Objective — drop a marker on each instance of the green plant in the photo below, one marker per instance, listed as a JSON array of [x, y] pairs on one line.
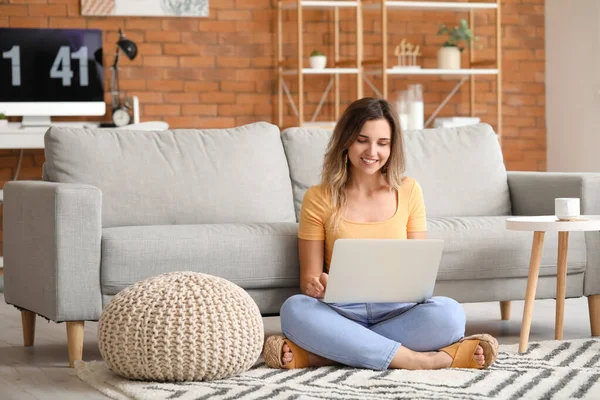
[[316, 53], [2, 116], [457, 34]]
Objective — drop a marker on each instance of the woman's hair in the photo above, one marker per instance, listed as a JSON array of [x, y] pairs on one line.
[[336, 166]]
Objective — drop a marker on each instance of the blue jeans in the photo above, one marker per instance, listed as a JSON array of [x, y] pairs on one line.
[[368, 335]]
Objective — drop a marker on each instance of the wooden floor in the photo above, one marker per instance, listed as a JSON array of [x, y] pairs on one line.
[[41, 372]]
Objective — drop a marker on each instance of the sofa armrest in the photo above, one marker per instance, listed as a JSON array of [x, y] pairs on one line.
[[533, 193], [52, 236]]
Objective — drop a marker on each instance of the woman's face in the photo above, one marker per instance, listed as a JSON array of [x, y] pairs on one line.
[[371, 150]]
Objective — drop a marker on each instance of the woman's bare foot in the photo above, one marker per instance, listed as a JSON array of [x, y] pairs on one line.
[[408, 359], [313, 359]]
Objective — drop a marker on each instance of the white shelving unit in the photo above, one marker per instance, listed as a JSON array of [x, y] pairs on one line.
[[407, 5], [467, 73], [343, 67], [320, 124], [313, 4], [437, 5], [340, 68], [324, 71], [436, 71]]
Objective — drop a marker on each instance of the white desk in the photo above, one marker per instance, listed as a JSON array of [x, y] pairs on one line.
[[15, 137]]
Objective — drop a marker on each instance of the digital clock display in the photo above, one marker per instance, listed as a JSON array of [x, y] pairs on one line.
[[51, 65]]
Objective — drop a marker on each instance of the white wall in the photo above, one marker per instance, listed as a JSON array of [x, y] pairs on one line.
[[573, 85]]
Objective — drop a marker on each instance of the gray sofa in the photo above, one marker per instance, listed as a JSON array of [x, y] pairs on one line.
[[116, 207]]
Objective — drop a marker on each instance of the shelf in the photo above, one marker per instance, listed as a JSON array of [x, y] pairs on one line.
[[321, 4], [364, 69], [406, 5], [324, 71], [319, 124], [434, 5], [436, 71]]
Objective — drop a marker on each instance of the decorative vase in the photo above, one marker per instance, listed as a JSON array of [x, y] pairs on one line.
[[318, 62], [448, 57]]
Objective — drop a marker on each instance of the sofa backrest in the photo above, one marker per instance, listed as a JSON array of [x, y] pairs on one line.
[[304, 149], [461, 170], [233, 175]]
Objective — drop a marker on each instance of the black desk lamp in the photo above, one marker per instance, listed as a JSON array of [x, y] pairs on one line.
[[129, 48]]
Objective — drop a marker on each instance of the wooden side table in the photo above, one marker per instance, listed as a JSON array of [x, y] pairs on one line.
[[539, 225]]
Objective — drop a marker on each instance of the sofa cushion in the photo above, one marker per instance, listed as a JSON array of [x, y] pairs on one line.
[[481, 248], [304, 149], [461, 170], [237, 175], [252, 256]]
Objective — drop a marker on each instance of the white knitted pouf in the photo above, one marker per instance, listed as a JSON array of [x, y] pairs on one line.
[[181, 326]]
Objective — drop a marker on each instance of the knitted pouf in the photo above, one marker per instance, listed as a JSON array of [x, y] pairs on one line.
[[181, 326]]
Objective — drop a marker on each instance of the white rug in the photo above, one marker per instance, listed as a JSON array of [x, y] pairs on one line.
[[549, 370]]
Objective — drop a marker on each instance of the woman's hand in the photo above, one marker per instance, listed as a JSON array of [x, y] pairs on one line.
[[317, 286]]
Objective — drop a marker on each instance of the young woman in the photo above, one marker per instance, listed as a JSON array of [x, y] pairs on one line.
[[364, 194]]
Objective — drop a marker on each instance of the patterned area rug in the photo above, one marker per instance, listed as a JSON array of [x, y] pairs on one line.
[[548, 370]]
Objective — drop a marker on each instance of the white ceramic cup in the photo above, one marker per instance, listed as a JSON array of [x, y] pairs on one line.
[[566, 207]]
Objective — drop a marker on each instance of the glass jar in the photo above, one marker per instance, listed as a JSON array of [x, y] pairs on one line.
[[415, 109]]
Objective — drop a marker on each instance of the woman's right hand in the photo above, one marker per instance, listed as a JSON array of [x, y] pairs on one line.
[[317, 286]]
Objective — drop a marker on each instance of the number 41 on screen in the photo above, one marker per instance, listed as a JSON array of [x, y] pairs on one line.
[[61, 67]]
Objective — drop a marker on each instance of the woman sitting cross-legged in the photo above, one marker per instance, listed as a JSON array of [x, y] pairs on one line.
[[364, 194]]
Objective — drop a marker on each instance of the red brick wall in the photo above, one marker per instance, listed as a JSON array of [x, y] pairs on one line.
[[220, 71], [523, 58]]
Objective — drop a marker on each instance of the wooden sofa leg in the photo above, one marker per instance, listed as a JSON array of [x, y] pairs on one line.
[[594, 307], [28, 321], [505, 310], [75, 341]]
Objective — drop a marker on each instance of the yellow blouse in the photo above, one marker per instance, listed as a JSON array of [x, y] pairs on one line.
[[315, 212]]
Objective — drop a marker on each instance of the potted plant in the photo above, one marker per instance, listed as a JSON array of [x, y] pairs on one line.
[[3, 121], [449, 54], [318, 60]]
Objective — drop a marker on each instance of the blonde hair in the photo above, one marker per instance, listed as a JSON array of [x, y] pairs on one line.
[[335, 174]]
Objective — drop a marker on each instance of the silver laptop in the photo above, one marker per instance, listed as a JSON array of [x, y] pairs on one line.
[[383, 270]]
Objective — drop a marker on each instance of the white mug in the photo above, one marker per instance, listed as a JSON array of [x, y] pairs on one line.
[[566, 208]]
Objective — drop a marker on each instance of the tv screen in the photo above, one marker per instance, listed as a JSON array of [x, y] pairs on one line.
[[51, 65]]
